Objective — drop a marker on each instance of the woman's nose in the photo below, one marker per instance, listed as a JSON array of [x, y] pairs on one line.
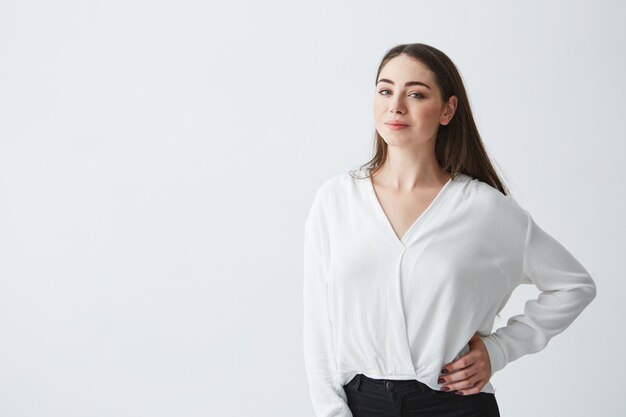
[[396, 107]]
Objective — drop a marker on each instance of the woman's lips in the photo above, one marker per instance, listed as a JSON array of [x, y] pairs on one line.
[[396, 126]]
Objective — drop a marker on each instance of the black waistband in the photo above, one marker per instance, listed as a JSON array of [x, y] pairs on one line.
[[398, 385]]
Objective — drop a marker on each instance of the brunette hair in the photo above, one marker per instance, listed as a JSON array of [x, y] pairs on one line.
[[458, 147]]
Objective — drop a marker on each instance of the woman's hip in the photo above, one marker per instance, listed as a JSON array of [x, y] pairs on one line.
[[371, 397]]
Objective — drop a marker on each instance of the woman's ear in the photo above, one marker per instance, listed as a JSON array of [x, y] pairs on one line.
[[449, 110]]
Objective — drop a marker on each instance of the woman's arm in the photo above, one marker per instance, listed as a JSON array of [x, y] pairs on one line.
[[327, 394], [566, 289]]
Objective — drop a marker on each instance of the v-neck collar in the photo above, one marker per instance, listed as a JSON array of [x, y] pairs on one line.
[[383, 216]]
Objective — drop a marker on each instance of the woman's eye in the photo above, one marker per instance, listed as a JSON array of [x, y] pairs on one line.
[[418, 95]]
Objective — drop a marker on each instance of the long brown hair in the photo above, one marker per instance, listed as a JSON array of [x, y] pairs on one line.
[[458, 147]]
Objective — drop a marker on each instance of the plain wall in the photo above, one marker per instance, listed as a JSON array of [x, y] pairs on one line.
[[158, 159]]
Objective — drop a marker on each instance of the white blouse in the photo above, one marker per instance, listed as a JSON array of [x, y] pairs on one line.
[[403, 308]]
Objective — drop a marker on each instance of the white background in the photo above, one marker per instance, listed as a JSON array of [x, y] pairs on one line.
[[158, 159]]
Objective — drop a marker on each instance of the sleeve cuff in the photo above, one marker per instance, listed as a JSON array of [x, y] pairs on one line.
[[497, 358]]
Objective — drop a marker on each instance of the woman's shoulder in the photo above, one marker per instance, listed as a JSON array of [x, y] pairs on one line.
[[495, 206], [485, 193], [328, 196], [326, 190], [338, 184]]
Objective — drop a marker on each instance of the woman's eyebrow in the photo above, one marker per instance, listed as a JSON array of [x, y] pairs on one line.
[[408, 83]]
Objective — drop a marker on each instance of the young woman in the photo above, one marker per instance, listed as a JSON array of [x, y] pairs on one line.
[[408, 261]]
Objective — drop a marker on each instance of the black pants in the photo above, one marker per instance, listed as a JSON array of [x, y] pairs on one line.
[[369, 397]]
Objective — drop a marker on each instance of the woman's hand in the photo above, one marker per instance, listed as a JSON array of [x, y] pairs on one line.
[[470, 373]]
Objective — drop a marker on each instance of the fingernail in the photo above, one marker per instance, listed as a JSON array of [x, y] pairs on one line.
[[440, 381], [458, 392], [445, 388], [444, 371]]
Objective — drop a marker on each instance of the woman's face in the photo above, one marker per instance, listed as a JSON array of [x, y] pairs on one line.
[[417, 105]]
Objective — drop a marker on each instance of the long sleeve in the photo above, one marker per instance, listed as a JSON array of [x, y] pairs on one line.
[[566, 289], [327, 394]]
